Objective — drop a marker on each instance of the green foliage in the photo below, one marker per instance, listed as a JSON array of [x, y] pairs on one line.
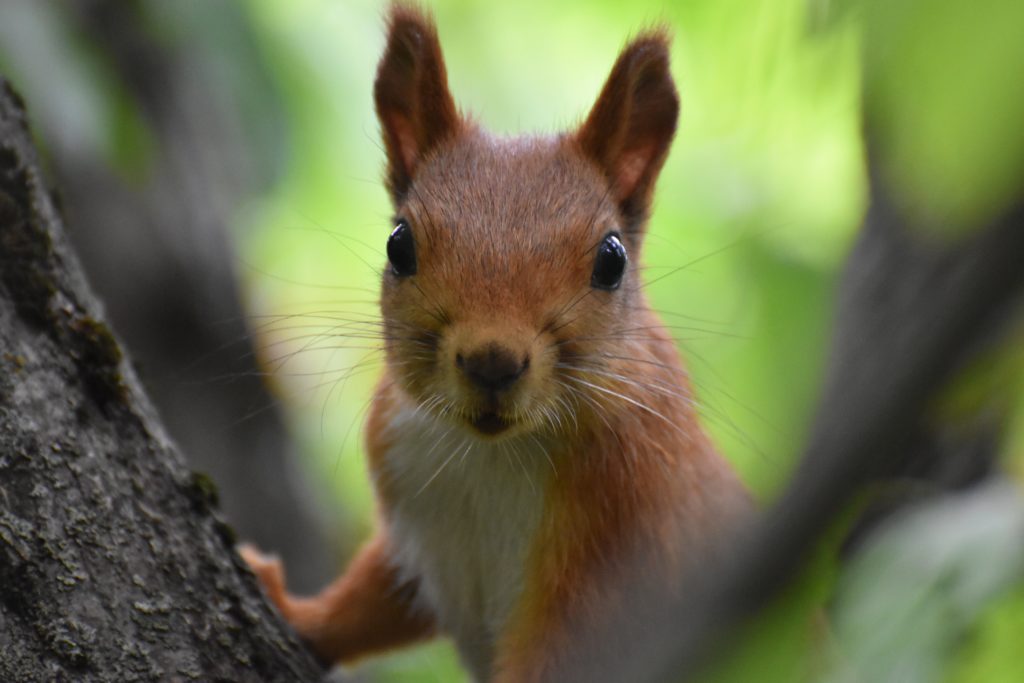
[[992, 652], [908, 599], [943, 83]]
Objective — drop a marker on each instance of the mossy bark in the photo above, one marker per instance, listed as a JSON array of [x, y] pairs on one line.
[[114, 565]]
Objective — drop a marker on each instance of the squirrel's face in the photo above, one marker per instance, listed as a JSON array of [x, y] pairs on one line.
[[508, 268], [511, 283]]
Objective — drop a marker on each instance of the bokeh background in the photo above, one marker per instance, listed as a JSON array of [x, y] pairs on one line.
[[243, 136]]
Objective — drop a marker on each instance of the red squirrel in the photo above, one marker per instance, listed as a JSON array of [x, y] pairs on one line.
[[534, 431]]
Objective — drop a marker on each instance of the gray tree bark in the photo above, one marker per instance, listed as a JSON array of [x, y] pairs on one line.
[[114, 565], [210, 135]]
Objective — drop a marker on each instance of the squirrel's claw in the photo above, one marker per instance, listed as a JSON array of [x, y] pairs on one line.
[[268, 570]]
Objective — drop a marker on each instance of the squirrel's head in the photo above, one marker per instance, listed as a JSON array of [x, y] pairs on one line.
[[513, 262]]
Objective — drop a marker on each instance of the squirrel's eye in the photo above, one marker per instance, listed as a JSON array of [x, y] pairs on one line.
[[610, 264], [402, 250]]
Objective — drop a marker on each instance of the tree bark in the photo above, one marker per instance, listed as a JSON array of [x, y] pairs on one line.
[[114, 565], [209, 136]]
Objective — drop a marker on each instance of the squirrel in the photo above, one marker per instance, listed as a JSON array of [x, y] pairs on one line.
[[533, 439]]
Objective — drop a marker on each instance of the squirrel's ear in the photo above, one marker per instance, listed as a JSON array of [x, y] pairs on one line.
[[415, 109], [629, 129]]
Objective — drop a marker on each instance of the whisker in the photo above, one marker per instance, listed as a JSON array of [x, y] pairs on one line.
[[629, 400], [443, 465]]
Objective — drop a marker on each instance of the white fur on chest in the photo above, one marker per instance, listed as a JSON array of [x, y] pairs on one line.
[[468, 512]]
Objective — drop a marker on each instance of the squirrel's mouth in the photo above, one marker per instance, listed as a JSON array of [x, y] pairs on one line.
[[490, 423]]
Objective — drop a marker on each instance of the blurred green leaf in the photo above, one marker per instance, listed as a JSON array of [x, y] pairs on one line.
[[944, 97], [907, 599]]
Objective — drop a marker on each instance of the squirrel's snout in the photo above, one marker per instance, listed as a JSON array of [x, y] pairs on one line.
[[493, 367]]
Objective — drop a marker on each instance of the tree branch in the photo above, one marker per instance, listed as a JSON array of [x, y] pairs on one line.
[[113, 563]]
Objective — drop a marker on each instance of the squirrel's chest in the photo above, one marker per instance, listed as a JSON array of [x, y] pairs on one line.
[[464, 524]]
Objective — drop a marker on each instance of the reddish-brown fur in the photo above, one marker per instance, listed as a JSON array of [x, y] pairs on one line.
[[366, 611], [506, 233]]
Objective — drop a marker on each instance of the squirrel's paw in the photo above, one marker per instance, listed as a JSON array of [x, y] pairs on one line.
[[269, 571]]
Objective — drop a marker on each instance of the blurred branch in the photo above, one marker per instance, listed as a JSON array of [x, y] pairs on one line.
[[910, 309]]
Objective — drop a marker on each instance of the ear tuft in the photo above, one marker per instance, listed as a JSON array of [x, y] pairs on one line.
[[629, 130], [415, 108]]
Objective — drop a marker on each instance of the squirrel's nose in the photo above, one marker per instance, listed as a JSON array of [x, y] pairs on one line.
[[493, 367]]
